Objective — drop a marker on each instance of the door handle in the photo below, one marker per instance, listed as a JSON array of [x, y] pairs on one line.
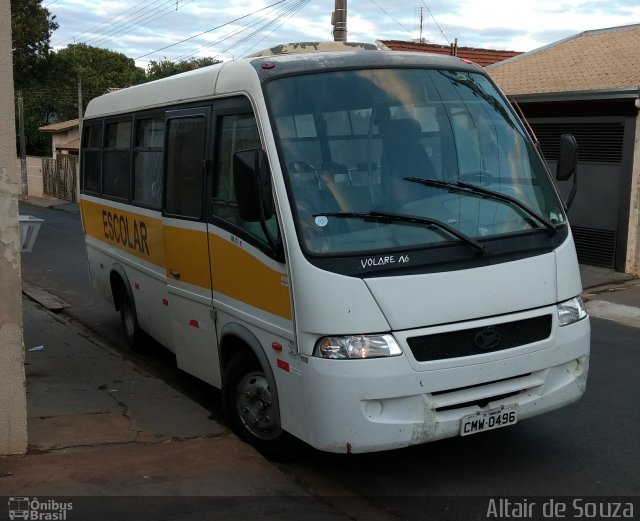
[[175, 274]]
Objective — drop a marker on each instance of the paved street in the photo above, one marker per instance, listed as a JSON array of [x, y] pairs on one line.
[[590, 448]]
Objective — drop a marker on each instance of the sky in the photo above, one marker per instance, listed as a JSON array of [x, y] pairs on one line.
[[229, 29]]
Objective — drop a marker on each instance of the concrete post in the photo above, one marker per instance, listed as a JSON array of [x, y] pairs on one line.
[[339, 21], [633, 236], [13, 404]]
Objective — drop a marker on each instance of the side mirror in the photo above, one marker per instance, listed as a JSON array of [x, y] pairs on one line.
[[252, 181], [567, 157], [568, 164]]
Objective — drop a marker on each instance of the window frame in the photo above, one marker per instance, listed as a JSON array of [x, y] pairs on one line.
[[142, 116], [236, 105], [98, 122], [176, 113], [129, 117]]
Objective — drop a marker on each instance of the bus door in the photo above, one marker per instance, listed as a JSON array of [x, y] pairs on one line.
[[246, 277], [186, 246]]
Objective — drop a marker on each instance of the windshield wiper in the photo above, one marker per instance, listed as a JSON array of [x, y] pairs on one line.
[[462, 187], [386, 217]]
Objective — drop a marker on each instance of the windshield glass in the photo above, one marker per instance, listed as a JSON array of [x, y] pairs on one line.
[[349, 141]]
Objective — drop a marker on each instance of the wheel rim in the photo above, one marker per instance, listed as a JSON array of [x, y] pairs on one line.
[[255, 406]]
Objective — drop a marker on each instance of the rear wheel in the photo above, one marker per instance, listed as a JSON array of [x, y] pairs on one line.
[[252, 410], [129, 320]]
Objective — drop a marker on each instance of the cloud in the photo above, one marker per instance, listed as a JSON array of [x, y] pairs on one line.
[[146, 28]]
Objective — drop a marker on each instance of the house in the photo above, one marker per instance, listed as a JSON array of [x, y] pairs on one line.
[[65, 137], [482, 57], [588, 85], [59, 173]]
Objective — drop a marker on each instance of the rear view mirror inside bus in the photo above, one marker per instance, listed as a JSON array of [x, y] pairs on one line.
[[252, 181]]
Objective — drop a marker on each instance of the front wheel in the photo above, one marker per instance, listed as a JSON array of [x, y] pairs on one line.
[[252, 410], [129, 320]]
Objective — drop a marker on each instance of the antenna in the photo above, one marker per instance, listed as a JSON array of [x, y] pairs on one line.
[[419, 14]]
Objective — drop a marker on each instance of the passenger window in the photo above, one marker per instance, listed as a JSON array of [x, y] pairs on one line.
[[234, 132], [185, 166], [117, 157], [92, 157], [147, 162]]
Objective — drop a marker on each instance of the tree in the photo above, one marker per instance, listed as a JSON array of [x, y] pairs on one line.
[[98, 69], [164, 68], [31, 29]]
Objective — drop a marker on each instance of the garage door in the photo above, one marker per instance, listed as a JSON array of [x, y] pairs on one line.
[[595, 211]]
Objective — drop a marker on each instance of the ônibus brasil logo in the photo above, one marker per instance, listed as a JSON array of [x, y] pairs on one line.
[[37, 510]]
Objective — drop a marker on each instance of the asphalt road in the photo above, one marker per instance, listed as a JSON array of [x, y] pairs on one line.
[[591, 448]]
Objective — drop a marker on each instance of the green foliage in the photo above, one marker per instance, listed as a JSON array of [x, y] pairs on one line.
[[48, 81], [164, 68], [98, 70], [31, 28]]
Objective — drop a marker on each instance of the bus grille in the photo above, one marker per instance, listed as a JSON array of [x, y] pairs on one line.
[[475, 341]]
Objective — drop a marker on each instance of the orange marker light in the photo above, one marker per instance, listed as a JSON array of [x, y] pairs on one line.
[[276, 346]]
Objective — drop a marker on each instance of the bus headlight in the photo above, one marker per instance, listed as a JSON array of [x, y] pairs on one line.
[[571, 311], [357, 346]]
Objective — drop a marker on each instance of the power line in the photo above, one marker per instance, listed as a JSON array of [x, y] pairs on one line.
[[281, 13], [137, 22], [88, 31], [390, 16], [208, 31], [436, 22], [288, 12], [303, 4]]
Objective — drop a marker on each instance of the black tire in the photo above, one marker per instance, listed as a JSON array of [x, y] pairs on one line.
[[132, 332], [252, 412]]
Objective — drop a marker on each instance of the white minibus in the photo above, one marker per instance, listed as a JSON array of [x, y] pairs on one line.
[[362, 249]]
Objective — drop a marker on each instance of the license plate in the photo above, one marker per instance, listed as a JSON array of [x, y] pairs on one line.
[[488, 420]]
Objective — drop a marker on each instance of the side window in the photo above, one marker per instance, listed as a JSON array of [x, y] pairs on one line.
[[234, 132], [185, 165], [91, 157], [147, 162], [116, 173]]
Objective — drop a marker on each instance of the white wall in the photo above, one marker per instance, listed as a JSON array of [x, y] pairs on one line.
[[34, 176], [13, 403], [633, 237]]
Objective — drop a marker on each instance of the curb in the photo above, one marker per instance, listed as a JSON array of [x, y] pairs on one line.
[[43, 297]]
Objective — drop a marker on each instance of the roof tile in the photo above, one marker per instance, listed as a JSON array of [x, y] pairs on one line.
[[593, 60]]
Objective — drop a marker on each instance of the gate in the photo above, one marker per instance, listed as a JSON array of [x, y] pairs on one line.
[[59, 176]]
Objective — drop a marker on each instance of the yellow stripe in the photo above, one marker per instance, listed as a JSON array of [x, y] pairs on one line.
[[236, 272], [188, 254], [133, 233], [241, 276]]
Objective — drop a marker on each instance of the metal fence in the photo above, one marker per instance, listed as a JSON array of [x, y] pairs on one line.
[[59, 176]]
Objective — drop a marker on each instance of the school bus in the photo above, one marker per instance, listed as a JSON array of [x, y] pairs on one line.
[[363, 250]]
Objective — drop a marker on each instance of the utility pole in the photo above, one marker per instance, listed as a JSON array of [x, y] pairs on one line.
[[79, 102], [23, 148], [339, 21]]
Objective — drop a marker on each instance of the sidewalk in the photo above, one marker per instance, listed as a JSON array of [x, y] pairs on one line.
[[100, 426], [52, 202]]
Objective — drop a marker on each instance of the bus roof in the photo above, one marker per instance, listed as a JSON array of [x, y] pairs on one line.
[[245, 75]]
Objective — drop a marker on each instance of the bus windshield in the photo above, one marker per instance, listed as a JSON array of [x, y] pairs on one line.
[[378, 159]]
